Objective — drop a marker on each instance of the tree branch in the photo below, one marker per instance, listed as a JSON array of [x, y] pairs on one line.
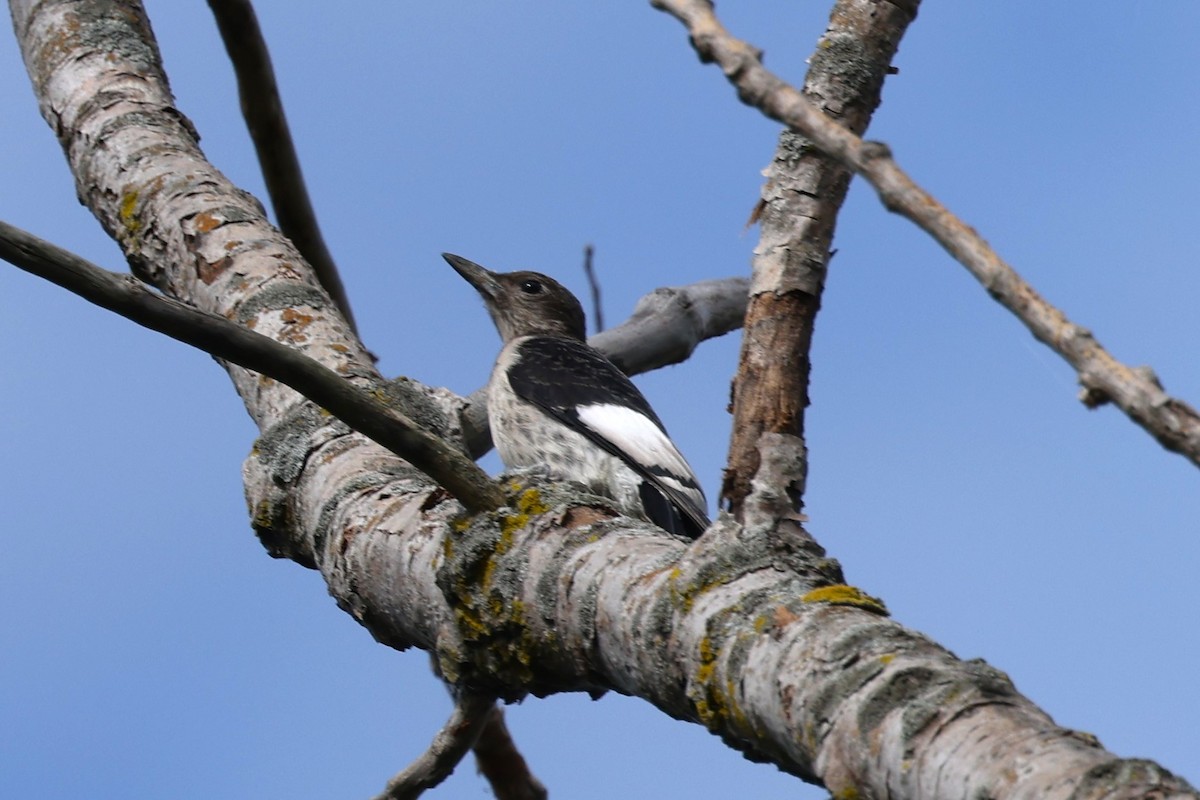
[[217, 336], [502, 764], [262, 108], [471, 713], [797, 216], [1136, 391], [749, 633], [669, 323]]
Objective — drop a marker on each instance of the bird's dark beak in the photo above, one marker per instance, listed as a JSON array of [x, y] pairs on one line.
[[483, 280]]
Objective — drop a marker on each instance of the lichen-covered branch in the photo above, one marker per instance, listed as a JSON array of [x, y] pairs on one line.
[[797, 214], [1135, 390], [184, 228], [752, 635]]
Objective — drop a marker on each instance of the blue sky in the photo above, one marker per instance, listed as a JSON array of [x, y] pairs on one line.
[[148, 646]]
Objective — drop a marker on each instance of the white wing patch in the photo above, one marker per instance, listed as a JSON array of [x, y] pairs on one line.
[[645, 443]]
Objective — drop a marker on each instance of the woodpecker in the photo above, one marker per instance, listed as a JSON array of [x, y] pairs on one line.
[[558, 404]]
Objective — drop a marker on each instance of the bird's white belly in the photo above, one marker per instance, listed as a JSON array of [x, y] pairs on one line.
[[526, 437]]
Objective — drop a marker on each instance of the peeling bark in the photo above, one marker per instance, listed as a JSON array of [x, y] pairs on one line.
[[797, 215]]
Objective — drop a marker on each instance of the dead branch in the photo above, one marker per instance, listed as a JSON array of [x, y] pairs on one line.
[[502, 764], [797, 215], [748, 632], [594, 286], [471, 713], [1135, 390]]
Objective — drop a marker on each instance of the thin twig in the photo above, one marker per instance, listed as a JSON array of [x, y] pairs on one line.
[[216, 335], [597, 307], [1136, 391], [262, 108], [471, 713]]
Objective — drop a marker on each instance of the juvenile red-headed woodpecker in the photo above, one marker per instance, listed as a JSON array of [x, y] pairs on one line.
[[556, 404]]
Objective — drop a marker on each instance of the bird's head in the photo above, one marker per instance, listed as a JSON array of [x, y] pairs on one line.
[[524, 303]]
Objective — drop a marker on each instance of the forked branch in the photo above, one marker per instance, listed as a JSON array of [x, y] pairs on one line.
[[1136, 391], [471, 712]]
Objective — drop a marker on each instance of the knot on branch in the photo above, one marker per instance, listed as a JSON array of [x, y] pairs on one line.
[[1093, 397]]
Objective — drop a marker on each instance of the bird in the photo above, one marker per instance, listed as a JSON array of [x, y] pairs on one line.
[[558, 405]]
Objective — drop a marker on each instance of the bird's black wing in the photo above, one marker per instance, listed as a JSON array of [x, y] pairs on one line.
[[581, 388]]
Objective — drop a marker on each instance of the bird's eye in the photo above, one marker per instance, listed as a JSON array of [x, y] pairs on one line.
[[531, 286]]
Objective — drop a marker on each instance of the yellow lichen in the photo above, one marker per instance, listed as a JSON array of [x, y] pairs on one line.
[[685, 596], [262, 514], [705, 710], [128, 216], [716, 705], [840, 594], [673, 584], [737, 716], [530, 502], [708, 661], [470, 621], [507, 529], [484, 613]]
